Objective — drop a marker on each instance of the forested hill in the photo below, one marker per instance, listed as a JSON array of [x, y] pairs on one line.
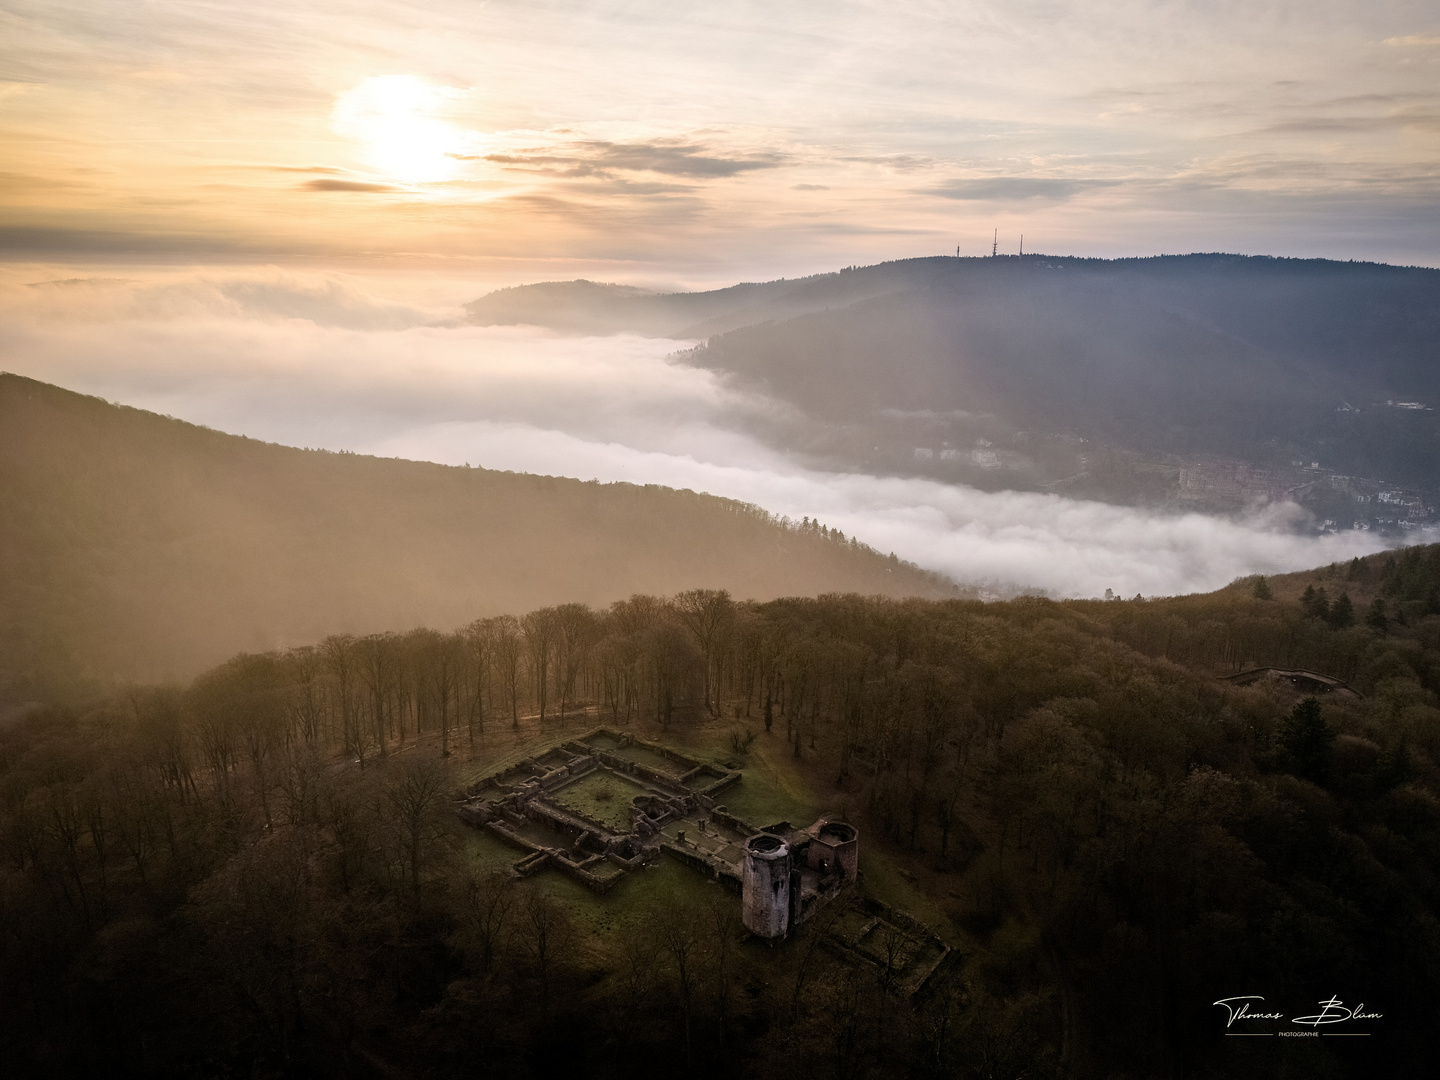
[[588, 307], [1276, 362], [262, 874], [135, 546]]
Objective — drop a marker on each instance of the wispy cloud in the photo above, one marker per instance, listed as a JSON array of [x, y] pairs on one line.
[[1010, 188], [691, 160], [349, 185], [999, 110], [80, 242]]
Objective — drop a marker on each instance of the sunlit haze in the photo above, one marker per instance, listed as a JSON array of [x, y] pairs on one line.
[[711, 142], [394, 116], [265, 217], [323, 362]]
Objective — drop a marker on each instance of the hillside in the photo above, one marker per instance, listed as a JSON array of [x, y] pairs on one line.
[[588, 307], [263, 872], [1204, 380], [135, 546]]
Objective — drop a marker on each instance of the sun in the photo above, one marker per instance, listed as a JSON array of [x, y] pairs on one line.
[[395, 117]]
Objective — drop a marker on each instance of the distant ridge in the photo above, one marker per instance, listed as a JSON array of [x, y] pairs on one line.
[[136, 547], [1101, 378], [595, 308]]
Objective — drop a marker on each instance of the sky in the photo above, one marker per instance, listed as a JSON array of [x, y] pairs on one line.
[[264, 216], [697, 144]]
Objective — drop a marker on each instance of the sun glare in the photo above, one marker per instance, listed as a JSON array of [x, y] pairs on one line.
[[394, 116]]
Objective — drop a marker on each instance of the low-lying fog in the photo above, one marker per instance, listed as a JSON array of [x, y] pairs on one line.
[[324, 361]]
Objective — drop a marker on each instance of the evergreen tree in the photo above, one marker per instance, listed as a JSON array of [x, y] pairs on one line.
[[1315, 602], [1261, 591], [1308, 740], [1342, 612]]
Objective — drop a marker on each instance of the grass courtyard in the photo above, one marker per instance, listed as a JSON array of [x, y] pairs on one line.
[[601, 796]]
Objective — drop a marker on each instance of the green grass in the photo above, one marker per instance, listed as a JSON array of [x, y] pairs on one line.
[[650, 759], [882, 880], [768, 791], [601, 796], [487, 852]]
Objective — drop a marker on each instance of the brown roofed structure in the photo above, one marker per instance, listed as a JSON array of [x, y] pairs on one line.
[[1306, 682]]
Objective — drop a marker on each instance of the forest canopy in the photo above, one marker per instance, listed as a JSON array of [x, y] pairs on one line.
[[261, 870]]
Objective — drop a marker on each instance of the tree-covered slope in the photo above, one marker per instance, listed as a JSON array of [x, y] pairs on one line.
[[1276, 362], [262, 873], [137, 546]]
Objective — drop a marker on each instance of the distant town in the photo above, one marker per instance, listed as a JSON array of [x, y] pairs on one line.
[[1205, 482]]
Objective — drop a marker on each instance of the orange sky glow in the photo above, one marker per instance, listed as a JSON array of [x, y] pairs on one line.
[[697, 142]]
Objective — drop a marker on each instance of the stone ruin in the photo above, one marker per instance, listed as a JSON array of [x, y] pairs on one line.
[[790, 873], [607, 803]]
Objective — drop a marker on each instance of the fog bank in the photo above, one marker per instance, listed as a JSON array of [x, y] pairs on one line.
[[320, 361]]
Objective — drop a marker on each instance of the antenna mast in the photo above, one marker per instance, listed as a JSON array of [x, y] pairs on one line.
[[995, 245], [1022, 244]]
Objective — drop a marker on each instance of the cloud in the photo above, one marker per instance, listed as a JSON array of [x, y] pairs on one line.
[[694, 161], [308, 169], [809, 187], [348, 185], [897, 162], [699, 94], [60, 241], [1332, 125], [1010, 188], [145, 305], [680, 159], [323, 362], [1063, 546]]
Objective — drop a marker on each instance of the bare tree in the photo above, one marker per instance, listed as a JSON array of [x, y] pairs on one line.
[[508, 646], [413, 792], [725, 927], [641, 952], [340, 658], [66, 826], [672, 662], [135, 817], [706, 614], [574, 637], [437, 662], [629, 627], [679, 935], [543, 933], [489, 897], [300, 773], [306, 698], [479, 638], [379, 668], [540, 631]]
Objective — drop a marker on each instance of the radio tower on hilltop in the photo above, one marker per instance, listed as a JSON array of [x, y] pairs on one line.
[[995, 244]]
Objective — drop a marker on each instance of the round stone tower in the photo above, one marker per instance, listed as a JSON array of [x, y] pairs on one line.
[[765, 899]]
